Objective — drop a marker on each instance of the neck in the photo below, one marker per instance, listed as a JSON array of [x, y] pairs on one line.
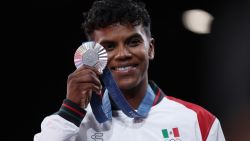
[[135, 95]]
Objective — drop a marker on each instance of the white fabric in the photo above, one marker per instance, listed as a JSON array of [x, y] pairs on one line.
[[166, 115], [216, 133]]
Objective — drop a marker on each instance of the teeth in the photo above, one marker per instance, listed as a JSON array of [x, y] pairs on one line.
[[123, 68]]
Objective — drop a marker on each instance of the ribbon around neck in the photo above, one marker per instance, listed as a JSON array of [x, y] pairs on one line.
[[101, 106]]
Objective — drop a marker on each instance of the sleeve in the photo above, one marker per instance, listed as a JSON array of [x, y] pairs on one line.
[[216, 133], [62, 126], [56, 128]]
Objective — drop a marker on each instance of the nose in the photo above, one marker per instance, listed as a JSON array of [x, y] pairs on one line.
[[122, 52]]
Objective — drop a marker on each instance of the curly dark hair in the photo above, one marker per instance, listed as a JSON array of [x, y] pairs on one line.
[[107, 12]]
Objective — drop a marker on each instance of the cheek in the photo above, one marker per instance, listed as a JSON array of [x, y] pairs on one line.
[[143, 60], [110, 56], [142, 54]]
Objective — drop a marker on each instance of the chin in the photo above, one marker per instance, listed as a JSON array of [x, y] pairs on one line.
[[127, 84]]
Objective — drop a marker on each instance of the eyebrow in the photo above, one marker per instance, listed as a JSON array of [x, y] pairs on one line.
[[107, 42], [134, 35]]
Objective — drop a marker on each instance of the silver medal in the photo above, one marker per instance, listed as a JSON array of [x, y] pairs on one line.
[[91, 54]]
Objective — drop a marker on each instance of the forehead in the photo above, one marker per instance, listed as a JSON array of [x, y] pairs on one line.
[[117, 31]]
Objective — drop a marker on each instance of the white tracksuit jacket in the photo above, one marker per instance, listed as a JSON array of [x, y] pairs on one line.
[[169, 119]]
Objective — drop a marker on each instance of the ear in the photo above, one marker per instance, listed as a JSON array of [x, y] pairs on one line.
[[151, 50]]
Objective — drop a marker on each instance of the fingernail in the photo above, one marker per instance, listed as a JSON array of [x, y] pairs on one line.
[[100, 92]]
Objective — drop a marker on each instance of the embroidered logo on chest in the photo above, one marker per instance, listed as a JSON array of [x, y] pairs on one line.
[[98, 136], [171, 134]]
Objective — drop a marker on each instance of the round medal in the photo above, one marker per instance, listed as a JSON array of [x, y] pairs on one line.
[[91, 54]]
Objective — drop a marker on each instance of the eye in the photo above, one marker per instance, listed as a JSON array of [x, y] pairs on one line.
[[134, 42], [109, 46]]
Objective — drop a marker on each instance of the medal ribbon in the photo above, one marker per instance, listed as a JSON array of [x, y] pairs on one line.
[[102, 108]]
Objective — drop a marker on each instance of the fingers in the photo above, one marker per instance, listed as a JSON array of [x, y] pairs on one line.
[[81, 83], [87, 67], [85, 87], [85, 77], [84, 101]]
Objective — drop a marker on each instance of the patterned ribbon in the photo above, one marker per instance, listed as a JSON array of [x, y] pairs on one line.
[[101, 107]]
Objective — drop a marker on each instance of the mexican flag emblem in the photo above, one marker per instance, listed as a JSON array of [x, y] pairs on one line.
[[170, 133]]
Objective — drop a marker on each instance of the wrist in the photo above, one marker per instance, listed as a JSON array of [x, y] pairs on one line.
[[72, 112]]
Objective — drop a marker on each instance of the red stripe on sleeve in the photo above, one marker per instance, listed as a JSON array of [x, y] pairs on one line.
[[72, 109]]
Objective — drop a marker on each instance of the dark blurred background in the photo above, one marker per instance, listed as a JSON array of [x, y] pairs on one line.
[[210, 69]]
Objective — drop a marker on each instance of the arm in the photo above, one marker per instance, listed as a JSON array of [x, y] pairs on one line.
[[56, 128], [216, 133], [64, 125]]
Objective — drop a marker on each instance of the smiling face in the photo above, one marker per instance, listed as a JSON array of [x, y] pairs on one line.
[[129, 51]]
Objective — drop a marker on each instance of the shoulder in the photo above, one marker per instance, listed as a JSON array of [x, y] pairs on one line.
[[200, 111], [205, 118]]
